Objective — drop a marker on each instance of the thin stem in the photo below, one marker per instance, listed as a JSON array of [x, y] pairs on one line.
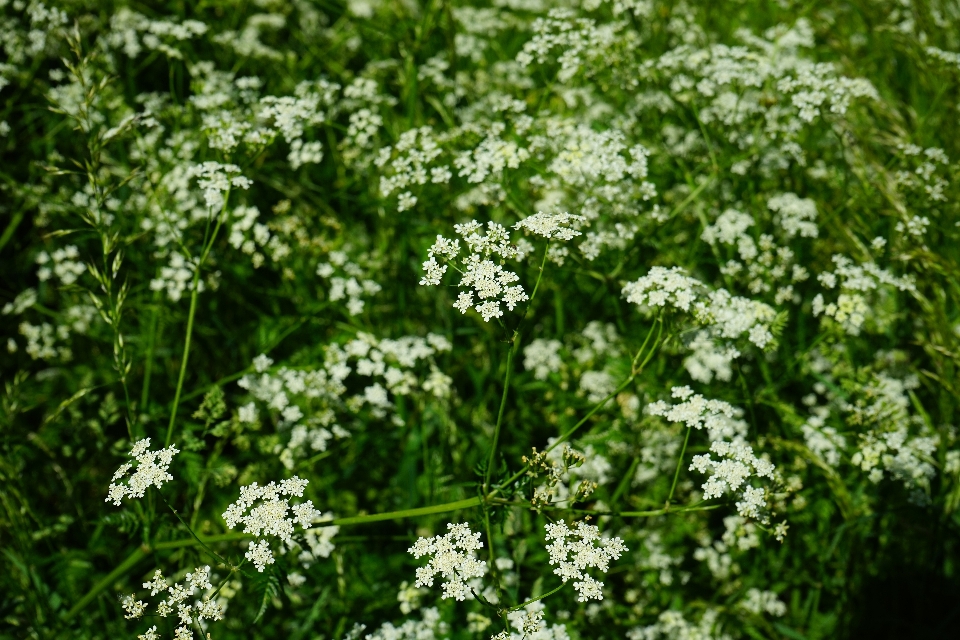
[[676, 474], [138, 554], [566, 436], [659, 323], [183, 522], [621, 514], [656, 343], [503, 405], [186, 355], [540, 597], [405, 513], [207, 245], [494, 570], [514, 346], [635, 372], [536, 286]]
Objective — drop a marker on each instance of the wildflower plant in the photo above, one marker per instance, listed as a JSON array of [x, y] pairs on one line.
[[518, 320]]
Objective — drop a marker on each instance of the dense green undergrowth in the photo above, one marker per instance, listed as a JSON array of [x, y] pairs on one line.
[[548, 320]]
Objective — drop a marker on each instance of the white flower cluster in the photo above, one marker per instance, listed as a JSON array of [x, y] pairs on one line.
[[721, 419], [931, 174], [215, 180], [759, 97], [729, 474], [411, 157], [254, 238], [574, 551], [662, 286], [576, 38], [724, 315], [671, 625], [760, 602], [890, 445], [64, 263], [597, 385], [485, 163], [176, 278], [42, 341], [529, 625], [350, 285], [429, 627], [131, 32], [707, 359], [736, 463], [542, 357], [308, 401], [270, 514], [739, 534], [453, 556], [852, 307], [151, 471], [764, 263], [486, 278], [562, 226], [795, 215], [179, 593], [823, 440]]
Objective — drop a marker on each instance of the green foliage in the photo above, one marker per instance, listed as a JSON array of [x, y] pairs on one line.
[[228, 228]]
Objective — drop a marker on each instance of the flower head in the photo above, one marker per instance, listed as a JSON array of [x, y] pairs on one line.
[[453, 556], [151, 470]]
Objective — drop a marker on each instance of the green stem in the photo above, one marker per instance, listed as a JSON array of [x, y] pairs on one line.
[[186, 355], [514, 346], [540, 597], [625, 482], [620, 514], [635, 372], [494, 571], [543, 263], [207, 245], [199, 541], [566, 436], [503, 404], [406, 513], [138, 554], [11, 228], [676, 474]]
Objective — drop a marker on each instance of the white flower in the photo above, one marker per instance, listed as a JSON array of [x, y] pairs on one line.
[[758, 602], [262, 362], [796, 215], [259, 554], [454, 557], [721, 419], [133, 608], [542, 358], [482, 270], [573, 551], [562, 226], [433, 272], [722, 314], [729, 474], [269, 515], [151, 634], [151, 470]]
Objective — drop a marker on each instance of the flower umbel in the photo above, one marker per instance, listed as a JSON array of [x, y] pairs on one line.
[[454, 557], [151, 470], [573, 551], [271, 517]]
